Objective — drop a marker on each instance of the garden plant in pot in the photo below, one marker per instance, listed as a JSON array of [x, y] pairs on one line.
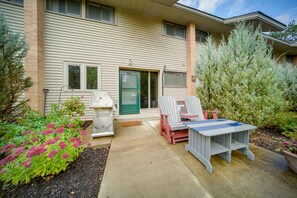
[[289, 149]]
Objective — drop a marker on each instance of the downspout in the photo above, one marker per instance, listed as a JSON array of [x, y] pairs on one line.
[[163, 80], [45, 91]]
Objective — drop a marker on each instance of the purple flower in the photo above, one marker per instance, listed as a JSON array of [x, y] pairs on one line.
[[293, 141], [36, 150], [62, 145], [60, 130], [47, 131], [27, 164], [72, 139], [89, 144], [50, 126], [70, 125], [26, 132], [52, 141], [65, 155], [83, 133], [52, 153], [34, 139], [286, 143], [3, 171], [19, 151], [7, 159], [7, 147]]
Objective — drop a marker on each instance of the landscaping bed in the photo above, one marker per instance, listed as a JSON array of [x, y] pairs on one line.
[[81, 179], [266, 139]]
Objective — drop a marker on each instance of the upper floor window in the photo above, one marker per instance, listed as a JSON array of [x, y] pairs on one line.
[[16, 1], [175, 79], [201, 36], [175, 30], [72, 7], [100, 12], [83, 76]]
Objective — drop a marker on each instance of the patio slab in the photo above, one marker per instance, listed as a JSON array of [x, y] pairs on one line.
[[267, 176], [141, 164]]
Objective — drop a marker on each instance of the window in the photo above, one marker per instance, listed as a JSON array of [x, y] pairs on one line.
[[72, 7], [201, 36], [100, 12], [175, 30], [16, 1], [289, 59], [82, 76], [175, 79]]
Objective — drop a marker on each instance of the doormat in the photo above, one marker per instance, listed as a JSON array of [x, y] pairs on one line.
[[130, 123]]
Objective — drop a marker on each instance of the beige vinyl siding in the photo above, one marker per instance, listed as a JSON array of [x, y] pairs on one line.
[[134, 36], [14, 15], [177, 93]]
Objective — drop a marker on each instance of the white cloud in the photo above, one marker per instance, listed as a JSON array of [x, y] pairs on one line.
[[288, 16], [237, 8], [209, 6]]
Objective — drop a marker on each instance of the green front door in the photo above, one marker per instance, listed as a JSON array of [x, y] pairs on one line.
[[129, 92]]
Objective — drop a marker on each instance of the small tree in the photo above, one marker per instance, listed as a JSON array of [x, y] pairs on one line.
[[239, 78], [13, 82], [289, 34]]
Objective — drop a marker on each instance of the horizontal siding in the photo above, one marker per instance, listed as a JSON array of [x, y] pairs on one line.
[[177, 93], [135, 37], [14, 15]]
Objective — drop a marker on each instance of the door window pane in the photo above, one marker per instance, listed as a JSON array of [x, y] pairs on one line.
[[129, 96], [129, 80], [144, 89], [154, 89], [92, 78], [74, 76]]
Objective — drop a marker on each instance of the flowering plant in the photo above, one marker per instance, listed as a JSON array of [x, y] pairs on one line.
[[288, 145], [42, 153]]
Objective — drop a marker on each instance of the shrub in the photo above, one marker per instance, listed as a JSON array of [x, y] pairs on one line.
[[42, 153], [39, 146], [239, 78], [12, 81], [290, 77]]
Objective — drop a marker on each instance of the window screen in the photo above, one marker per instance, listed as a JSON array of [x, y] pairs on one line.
[[74, 76], [92, 78]]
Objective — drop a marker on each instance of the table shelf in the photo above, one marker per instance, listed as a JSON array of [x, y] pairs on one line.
[[217, 148], [237, 145]]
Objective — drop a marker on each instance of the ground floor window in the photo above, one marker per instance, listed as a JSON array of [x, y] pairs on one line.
[[175, 79], [83, 76]]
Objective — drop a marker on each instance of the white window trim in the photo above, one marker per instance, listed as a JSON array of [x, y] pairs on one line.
[[83, 75]]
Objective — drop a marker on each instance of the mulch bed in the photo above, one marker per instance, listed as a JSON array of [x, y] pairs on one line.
[[265, 138], [82, 178], [130, 123]]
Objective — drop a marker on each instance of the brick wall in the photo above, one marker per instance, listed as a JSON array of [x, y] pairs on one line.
[[191, 52], [34, 61]]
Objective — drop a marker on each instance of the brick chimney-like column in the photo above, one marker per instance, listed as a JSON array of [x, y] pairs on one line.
[[191, 58], [34, 60]]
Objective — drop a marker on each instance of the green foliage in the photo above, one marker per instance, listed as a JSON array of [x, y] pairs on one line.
[[239, 78], [290, 77], [73, 107], [13, 82], [39, 146], [289, 34]]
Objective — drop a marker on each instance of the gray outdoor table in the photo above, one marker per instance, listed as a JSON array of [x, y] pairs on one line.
[[220, 136]]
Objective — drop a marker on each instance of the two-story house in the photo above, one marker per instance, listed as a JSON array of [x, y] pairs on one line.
[[134, 50]]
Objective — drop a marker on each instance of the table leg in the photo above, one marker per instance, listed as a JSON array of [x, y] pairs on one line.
[[200, 147]]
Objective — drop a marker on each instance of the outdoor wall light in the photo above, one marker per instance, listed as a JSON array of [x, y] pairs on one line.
[[129, 62], [193, 78]]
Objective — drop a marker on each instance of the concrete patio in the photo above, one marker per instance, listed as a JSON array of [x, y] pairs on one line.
[[142, 164]]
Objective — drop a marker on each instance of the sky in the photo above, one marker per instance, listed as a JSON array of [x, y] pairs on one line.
[[282, 10]]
